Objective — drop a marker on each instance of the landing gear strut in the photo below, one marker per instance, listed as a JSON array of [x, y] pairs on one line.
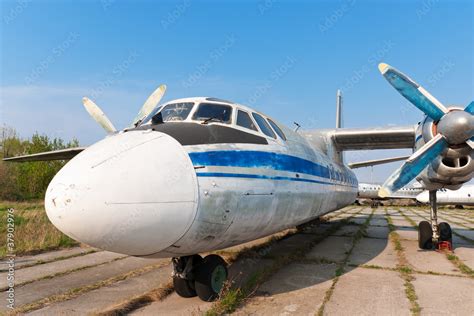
[[194, 275], [433, 234]]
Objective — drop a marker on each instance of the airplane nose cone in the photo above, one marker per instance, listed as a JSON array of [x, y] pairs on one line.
[[133, 193]]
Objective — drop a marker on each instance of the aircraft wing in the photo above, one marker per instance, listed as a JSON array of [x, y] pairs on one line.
[[375, 138], [62, 154], [368, 163]]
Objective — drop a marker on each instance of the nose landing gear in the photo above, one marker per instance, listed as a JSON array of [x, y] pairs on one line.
[[433, 234], [194, 275]]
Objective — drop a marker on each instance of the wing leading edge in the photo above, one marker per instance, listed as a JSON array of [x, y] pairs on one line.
[[62, 154]]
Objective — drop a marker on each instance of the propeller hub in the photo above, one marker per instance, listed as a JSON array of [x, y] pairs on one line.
[[456, 126]]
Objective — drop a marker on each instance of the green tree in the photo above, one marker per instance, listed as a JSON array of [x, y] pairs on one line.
[[28, 180]]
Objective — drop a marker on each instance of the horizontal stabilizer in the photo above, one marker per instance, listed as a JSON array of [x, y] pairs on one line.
[[374, 162], [62, 154]]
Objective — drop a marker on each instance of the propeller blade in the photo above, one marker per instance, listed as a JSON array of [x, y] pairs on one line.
[[150, 104], [413, 92], [98, 115], [470, 108], [414, 165]]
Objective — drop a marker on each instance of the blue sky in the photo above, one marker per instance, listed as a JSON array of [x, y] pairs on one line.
[[285, 58]]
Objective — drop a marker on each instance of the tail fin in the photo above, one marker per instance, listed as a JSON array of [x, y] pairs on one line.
[[339, 109], [339, 155]]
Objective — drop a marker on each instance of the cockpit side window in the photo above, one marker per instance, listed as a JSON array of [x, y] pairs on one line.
[[212, 112], [264, 127], [277, 129], [176, 111], [244, 120]]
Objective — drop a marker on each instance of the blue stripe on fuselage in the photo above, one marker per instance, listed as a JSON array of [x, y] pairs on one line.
[[262, 159], [258, 176]]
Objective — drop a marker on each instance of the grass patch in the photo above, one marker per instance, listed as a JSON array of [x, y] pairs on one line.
[[404, 268], [328, 296], [34, 233], [411, 295], [459, 264]]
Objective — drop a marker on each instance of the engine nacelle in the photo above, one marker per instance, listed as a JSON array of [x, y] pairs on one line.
[[452, 169]]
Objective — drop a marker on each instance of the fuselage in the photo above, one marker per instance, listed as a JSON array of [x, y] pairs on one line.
[[462, 196], [214, 175], [370, 191]]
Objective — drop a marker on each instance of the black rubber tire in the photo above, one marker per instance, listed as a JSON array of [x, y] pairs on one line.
[[445, 232], [183, 287], [425, 235], [204, 277]]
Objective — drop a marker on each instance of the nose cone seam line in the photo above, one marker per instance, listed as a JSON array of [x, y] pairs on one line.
[[125, 150]]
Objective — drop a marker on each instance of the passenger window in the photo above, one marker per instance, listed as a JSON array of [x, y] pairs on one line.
[[277, 129], [211, 112], [244, 120], [264, 127]]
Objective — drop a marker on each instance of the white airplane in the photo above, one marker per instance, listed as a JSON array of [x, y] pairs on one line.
[[463, 196], [200, 174], [371, 191]]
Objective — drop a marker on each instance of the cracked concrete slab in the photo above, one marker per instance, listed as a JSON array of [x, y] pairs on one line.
[[332, 248], [38, 290], [176, 306], [107, 297], [347, 230], [427, 260], [378, 232], [22, 261], [376, 252], [378, 220], [369, 292], [466, 255], [444, 295], [297, 289], [51, 268]]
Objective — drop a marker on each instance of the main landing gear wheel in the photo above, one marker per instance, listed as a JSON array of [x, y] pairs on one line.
[[430, 234], [425, 235], [210, 277], [445, 232], [183, 287], [184, 274], [194, 275]]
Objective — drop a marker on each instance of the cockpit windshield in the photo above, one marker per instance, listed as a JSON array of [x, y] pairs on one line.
[[171, 112], [212, 112], [176, 111]]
